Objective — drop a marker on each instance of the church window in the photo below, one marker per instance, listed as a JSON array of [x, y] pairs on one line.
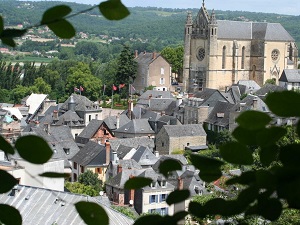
[[201, 54], [224, 57], [275, 55], [212, 31], [215, 31], [162, 71], [243, 58], [291, 52], [162, 80]]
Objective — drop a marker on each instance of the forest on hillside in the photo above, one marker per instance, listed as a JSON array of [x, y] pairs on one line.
[[159, 27]]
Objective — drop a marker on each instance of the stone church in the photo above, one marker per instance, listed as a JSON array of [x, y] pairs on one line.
[[219, 53]]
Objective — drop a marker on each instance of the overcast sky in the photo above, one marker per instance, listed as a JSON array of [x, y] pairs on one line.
[[290, 7]]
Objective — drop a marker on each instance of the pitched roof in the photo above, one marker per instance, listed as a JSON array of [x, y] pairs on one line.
[[142, 113], [92, 154], [90, 130], [122, 151], [156, 94], [241, 30], [82, 104], [289, 75], [220, 114], [136, 126], [267, 88], [43, 206], [111, 121], [34, 101], [179, 158], [69, 117], [159, 104], [119, 180], [186, 130], [144, 156], [132, 142]]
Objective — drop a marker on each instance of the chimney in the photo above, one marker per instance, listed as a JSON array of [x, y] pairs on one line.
[[156, 153], [150, 96], [241, 106], [255, 103], [119, 169], [180, 184], [130, 107], [71, 103], [47, 128], [131, 193], [55, 114], [179, 101], [153, 55], [118, 120], [107, 148], [114, 156], [136, 53]]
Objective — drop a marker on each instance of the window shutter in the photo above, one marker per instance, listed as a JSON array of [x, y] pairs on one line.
[[160, 198], [150, 199], [156, 198]]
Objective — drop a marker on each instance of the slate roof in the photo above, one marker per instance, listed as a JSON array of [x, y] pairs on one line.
[[220, 114], [90, 130], [250, 84], [69, 117], [82, 104], [39, 206], [267, 88], [156, 94], [122, 151], [205, 94], [142, 113], [146, 57], [240, 30], [92, 154], [248, 104], [159, 104], [132, 142], [179, 158], [290, 75], [59, 138], [119, 180], [136, 126], [144, 156], [186, 130], [111, 121]]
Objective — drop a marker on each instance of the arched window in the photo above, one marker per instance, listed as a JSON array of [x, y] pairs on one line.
[[243, 58], [224, 57], [212, 31]]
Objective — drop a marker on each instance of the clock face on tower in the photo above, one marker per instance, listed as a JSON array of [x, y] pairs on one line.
[[201, 54]]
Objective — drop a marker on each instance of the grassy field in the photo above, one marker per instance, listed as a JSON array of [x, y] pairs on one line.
[[33, 59]]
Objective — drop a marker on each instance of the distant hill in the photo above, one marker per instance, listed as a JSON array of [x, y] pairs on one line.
[[158, 25]]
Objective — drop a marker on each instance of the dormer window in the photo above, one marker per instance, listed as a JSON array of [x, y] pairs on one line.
[[163, 183], [198, 190], [153, 184], [67, 150]]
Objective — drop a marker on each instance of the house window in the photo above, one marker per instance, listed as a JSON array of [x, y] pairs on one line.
[[90, 117], [163, 183], [243, 58], [162, 144], [224, 57], [75, 165], [81, 169], [99, 170], [153, 198], [152, 210], [163, 211], [75, 177], [96, 116], [153, 184], [163, 197], [162, 81], [162, 71]]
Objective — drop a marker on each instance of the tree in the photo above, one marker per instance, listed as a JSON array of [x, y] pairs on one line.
[[40, 86], [80, 188], [89, 178], [174, 55], [270, 81], [20, 92], [80, 75], [127, 66]]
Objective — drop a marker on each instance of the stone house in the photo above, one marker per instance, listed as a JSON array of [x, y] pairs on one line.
[[153, 69], [290, 79], [177, 137]]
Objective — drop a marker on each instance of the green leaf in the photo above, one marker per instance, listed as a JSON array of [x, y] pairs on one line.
[[289, 155], [10, 215], [9, 41], [269, 208], [113, 10], [1, 25], [236, 153], [149, 220], [7, 181], [55, 13], [284, 103], [219, 206], [289, 189], [270, 136], [34, 149], [92, 213], [6, 147], [137, 183], [247, 196], [12, 33], [63, 29], [54, 175], [268, 154], [245, 136], [197, 210], [209, 168], [245, 178], [169, 165], [253, 120], [177, 196], [265, 179]]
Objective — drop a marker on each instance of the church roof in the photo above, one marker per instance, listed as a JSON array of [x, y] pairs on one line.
[[252, 31], [290, 75]]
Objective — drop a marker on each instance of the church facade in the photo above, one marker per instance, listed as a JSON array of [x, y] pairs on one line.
[[219, 53]]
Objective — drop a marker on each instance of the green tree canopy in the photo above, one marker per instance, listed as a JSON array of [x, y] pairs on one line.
[[174, 55], [91, 179], [80, 75]]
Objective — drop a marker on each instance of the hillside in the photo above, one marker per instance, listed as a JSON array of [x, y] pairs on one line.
[[159, 26]]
